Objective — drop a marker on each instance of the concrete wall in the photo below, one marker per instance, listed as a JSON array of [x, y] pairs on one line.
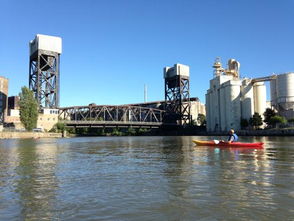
[[45, 121], [7, 135]]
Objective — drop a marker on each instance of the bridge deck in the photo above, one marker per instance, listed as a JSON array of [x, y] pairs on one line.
[[112, 124], [111, 116]]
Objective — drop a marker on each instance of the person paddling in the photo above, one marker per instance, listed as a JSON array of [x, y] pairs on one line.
[[232, 137]]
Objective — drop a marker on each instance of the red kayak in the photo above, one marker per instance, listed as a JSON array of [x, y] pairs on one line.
[[225, 144]]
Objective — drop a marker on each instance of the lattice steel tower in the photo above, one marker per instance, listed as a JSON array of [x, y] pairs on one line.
[[44, 73], [177, 94]]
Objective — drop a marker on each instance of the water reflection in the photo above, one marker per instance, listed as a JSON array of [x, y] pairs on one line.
[[36, 183], [252, 178], [145, 178]]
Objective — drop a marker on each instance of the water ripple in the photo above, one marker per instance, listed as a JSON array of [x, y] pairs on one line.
[[144, 178]]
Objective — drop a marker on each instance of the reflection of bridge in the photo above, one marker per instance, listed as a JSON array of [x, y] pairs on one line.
[[111, 116]]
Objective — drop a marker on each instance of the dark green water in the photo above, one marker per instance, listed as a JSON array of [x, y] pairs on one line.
[[145, 178]]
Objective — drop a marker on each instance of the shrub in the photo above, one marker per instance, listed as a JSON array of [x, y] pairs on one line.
[[201, 119], [116, 132], [277, 120], [131, 131]]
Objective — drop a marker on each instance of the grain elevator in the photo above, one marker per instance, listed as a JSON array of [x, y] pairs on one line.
[[282, 94], [231, 98]]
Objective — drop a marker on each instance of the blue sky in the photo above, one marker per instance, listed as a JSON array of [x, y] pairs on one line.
[[112, 48]]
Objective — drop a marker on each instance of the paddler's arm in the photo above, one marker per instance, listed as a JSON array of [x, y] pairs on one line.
[[231, 139]]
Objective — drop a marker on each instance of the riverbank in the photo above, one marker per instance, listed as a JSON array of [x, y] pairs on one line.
[[24, 135], [156, 132], [196, 132], [269, 132]]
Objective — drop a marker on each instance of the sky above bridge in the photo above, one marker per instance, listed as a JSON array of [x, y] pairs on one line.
[[111, 48]]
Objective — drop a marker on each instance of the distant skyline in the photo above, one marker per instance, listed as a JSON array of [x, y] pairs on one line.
[[112, 48]]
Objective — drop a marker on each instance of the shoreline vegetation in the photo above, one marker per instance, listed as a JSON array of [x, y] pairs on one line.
[[60, 130], [87, 132]]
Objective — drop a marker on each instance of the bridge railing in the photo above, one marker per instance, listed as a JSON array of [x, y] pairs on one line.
[[105, 113]]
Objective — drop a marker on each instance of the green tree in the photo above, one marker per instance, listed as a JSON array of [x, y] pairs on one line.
[[60, 126], [201, 119], [28, 109], [255, 120], [268, 114], [275, 120]]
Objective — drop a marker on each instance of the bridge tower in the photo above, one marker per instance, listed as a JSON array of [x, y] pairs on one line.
[[177, 94], [44, 75]]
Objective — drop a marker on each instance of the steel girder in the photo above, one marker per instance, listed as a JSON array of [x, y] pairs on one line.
[[104, 113], [177, 99], [44, 78]]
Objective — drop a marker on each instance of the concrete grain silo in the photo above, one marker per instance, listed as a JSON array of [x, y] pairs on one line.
[[223, 98], [282, 91], [247, 99], [259, 93]]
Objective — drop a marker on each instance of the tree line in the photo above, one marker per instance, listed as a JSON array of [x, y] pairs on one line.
[[271, 119]]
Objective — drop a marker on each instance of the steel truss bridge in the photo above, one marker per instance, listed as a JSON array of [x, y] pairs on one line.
[[111, 116]]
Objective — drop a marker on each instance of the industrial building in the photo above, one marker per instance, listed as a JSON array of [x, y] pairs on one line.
[[13, 102], [3, 98], [230, 98], [282, 94], [47, 118]]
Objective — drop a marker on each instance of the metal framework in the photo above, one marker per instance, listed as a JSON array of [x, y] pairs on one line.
[[177, 99], [102, 115], [44, 77]]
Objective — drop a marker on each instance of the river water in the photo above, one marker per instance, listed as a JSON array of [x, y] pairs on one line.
[[145, 178]]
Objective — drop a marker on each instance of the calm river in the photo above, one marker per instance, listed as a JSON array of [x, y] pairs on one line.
[[145, 178]]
